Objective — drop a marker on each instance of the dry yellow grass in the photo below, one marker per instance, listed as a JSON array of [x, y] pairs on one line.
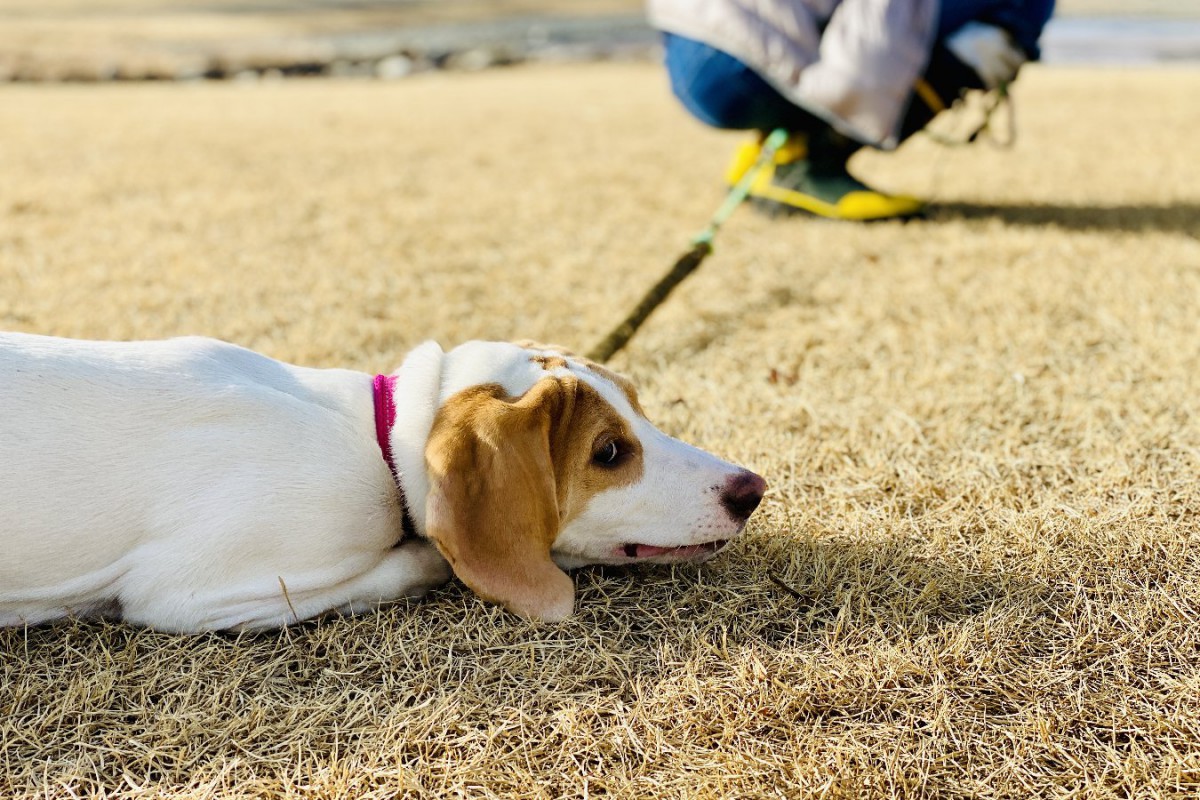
[[982, 432]]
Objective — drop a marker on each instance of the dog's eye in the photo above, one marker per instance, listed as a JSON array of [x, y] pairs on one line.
[[608, 455]]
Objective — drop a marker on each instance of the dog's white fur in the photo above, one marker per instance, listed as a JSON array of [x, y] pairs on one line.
[[192, 485]]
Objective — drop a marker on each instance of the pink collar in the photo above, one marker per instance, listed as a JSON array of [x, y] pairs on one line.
[[385, 418]]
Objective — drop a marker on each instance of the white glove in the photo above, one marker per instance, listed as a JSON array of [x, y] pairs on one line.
[[988, 50]]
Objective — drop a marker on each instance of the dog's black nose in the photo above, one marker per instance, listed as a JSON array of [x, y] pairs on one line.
[[742, 494]]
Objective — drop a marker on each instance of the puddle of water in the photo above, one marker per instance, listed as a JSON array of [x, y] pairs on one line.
[[1120, 40], [1070, 39]]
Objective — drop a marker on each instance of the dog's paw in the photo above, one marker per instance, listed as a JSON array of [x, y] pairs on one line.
[[431, 568]]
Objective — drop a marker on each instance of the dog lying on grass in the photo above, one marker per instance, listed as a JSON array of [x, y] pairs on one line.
[[192, 485]]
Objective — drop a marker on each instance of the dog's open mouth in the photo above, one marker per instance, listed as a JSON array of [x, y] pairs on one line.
[[684, 553]]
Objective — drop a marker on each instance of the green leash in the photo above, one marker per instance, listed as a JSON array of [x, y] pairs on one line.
[[702, 246]]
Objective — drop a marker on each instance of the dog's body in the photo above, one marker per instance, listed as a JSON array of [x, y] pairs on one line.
[[194, 485]]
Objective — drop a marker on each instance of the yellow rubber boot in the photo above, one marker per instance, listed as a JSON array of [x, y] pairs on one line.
[[746, 155], [794, 183]]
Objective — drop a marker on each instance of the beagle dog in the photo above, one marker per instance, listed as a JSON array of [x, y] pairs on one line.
[[192, 485]]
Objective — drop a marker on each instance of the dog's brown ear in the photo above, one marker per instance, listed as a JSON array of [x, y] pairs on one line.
[[492, 507]]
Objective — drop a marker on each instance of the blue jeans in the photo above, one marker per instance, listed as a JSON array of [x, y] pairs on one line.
[[723, 92]]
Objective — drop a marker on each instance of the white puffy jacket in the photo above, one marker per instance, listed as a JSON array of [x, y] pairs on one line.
[[850, 62]]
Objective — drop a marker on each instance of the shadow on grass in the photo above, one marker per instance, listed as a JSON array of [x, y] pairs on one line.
[[1135, 218], [784, 593], [452, 663], [775, 592]]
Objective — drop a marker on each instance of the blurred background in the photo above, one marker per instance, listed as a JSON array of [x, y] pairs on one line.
[[103, 40]]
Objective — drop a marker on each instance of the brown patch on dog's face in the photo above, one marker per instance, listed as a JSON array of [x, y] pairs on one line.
[[593, 449], [620, 381], [506, 473], [549, 362], [617, 379]]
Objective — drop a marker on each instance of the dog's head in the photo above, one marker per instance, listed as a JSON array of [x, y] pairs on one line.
[[540, 461]]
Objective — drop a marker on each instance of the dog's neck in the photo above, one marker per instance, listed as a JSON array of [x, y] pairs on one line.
[[416, 396], [384, 387]]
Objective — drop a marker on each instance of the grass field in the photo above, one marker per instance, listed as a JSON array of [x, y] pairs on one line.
[[982, 432]]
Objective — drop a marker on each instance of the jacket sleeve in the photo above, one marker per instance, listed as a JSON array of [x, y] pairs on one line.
[[850, 62], [871, 53]]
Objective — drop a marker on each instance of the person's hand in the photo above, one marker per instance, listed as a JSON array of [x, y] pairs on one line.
[[988, 50]]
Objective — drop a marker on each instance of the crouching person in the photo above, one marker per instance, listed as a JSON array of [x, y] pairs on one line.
[[837, 75]]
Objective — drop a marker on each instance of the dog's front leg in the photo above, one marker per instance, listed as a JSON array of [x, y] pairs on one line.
[[409, 570]]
